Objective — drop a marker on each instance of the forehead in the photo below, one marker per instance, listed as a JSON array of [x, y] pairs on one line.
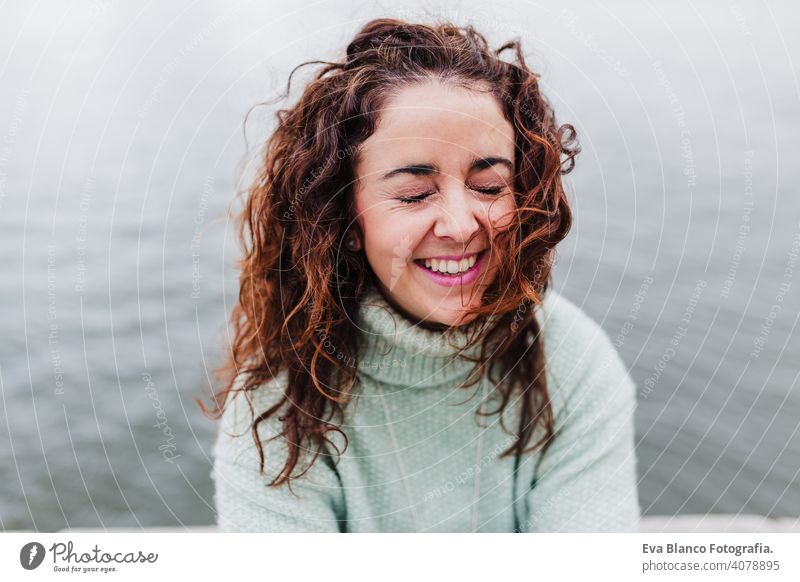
[[432, 121]]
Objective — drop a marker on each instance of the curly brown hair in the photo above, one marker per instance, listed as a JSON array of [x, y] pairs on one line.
[[297, 288]]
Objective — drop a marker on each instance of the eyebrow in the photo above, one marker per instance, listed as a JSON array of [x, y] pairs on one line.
[[428, 169]]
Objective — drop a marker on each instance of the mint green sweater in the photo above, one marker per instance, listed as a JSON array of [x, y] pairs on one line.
[[417, 461]]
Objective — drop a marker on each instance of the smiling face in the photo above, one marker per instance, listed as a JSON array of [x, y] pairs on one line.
[[435, 185]]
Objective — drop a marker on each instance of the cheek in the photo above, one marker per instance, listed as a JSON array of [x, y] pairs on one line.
[[390, 236], [501, 213]]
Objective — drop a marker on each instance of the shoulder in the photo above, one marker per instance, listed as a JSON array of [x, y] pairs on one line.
[[243, 497], [234, 442], [241, 405], [235, 448], [568, 331], [579, 355]]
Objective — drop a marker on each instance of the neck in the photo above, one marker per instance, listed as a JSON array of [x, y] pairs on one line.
[[399, 350], [422, 323]]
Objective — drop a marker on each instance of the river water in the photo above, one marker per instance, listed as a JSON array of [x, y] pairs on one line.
[[121, 144]]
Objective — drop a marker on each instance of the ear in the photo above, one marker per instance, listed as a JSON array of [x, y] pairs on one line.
[[353, 242]]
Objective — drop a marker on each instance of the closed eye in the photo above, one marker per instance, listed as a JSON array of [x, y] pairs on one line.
[[488, 190], [420, 197], [417, 198]]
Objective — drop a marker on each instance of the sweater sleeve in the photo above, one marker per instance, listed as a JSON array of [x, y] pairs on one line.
[[586, 481], [244, 501]]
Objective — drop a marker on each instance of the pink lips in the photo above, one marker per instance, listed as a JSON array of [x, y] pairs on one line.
[[450, 280]]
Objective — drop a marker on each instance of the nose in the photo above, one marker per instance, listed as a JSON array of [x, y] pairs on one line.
[[459, 215]]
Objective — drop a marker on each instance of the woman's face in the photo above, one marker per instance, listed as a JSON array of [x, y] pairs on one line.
[[434, 184]]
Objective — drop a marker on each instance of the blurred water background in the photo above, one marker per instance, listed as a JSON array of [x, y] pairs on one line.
[[120, 145]]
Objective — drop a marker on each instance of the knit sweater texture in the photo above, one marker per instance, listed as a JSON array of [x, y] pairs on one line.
[[417, 459]]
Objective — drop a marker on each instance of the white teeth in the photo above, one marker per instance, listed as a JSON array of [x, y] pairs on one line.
[[451, 267]]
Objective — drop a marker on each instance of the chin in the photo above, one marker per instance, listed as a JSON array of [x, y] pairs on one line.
[[463, 319], [430, 308], [457, 316]]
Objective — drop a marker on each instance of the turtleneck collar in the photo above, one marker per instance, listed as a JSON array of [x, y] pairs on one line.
[[396, 351]]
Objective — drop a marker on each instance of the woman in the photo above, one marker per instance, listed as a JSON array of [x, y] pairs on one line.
[[398, 362]]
